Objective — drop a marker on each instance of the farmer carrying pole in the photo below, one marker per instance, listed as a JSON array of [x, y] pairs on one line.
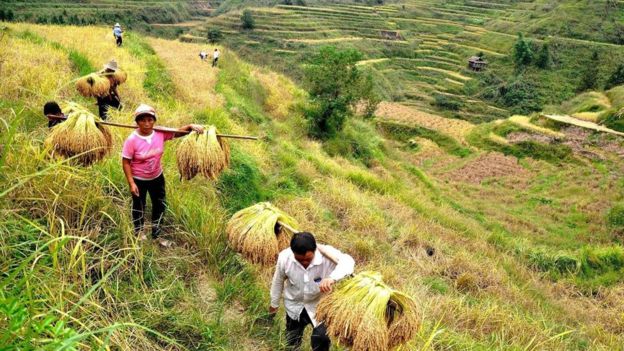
[[141, 156], [111, 99], [117, 32], [302, 274]]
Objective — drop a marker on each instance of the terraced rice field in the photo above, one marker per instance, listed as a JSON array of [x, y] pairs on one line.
[[428, 59]]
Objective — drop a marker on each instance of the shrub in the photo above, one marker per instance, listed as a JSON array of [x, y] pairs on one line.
[[247, 20], [522, 52], [615, 217], [521, 96], [335, 85], [616, 78], [358, 141], [544, 61], [214, 35]]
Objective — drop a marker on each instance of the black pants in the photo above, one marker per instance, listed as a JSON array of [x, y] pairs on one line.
[[214, 62], [105, 103], [118, 40], [156, 190], [294, 333]]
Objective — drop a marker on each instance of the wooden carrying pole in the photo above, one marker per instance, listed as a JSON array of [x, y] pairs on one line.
[[320, 247], [161, 129]]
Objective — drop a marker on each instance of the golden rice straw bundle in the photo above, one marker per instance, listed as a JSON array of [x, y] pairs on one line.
[[254, 231], [80, 135], [93, 85], [205, 154], [119, 76], [367, 315]]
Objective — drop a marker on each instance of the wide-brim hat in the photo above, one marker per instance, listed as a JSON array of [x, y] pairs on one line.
[[117, 25], [112, 65], [144, 110]]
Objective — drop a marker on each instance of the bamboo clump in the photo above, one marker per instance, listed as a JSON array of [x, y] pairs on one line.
[[93, 85], [365, 314], [205, 154], [256, 233], [80, 136]]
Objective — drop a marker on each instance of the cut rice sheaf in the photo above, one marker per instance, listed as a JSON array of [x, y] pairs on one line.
[[365, 314], [80, 136], [255, 232], [205, 154], [93, 85]]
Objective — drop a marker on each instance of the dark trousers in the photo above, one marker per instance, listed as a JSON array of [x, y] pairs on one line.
[[118, 40], [156, 190], [105, 103], [294, 333], [214, 62]]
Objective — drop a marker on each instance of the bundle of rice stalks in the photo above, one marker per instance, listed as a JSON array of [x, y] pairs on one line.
[[93, 85], [204, 154], [119, 76], [367, 315], [80, 135], [255, 232]]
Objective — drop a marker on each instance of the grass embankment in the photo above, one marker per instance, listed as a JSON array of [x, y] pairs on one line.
[[453, 246]]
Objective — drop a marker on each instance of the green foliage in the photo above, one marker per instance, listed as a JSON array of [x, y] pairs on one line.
[[158, 82], [80, 63], [358, 141], [521, 96], [404, 133], [589, 76], [335, 85], [616, 78], [544, 61], [615, 218], [241, 185], [614, 120], [448, 102], [247, 20], [522, 53], [601, 266], [214, 35]]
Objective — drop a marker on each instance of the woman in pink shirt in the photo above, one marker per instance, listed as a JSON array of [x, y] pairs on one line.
[[141, 156]]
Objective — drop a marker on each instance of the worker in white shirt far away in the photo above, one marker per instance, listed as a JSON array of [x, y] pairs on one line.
[[215, 57], [303, 272]]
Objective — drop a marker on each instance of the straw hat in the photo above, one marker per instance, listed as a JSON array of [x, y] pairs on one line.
[[144, 109], [117, 25], [112, 65]]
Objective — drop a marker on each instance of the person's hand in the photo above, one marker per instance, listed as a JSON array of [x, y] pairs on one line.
[[272, 310], [197, 128], [326, 285], [134, 189]]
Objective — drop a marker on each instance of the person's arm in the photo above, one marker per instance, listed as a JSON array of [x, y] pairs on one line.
[[182, 131], [344, 267], [128, 172], [277, 286]]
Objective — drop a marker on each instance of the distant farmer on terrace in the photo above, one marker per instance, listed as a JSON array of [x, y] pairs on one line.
[[141, 156], [117, 32], [302, 274], [215, 57]]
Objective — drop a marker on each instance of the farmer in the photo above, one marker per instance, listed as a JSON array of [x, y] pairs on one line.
[[203, 55], [303, 273], [141, 156], [112, 99], [117, 33], [215, 57], [52, 109]]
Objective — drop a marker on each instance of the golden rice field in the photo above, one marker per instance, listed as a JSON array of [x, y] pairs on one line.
[[471, 251]]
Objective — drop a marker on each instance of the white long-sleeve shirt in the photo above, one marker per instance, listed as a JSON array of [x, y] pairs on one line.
[[300, 286]]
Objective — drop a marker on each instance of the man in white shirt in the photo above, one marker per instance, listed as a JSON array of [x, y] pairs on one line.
[[302, 274], [215, 57]]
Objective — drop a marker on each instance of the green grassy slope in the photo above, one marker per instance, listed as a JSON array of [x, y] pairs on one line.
[[524, 253]]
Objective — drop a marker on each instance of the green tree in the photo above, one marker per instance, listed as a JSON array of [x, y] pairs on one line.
[[336, 86], [522, 52], [247, 20], [214, 35], [616, 78], [2, 15], [9, 15], [544, 61], [589, 76]]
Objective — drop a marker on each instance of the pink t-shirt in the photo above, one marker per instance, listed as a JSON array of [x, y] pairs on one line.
[[145, 153]]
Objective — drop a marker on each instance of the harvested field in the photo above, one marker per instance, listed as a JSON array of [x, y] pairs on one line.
[[397, 112], [489, 165]]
